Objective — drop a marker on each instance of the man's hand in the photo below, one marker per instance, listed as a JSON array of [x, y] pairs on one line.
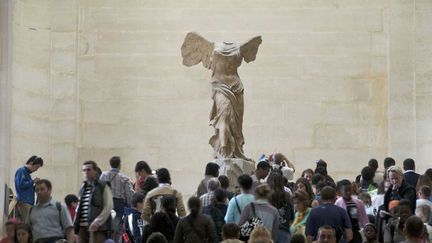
[[36, 180], [383, 213], [133, 181], [70, 235], [94, 227]]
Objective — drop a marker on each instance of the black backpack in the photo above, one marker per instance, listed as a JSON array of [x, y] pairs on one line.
[[156, 201]]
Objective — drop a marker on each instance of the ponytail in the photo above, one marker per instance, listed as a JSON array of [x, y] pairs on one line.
[[194, 204]]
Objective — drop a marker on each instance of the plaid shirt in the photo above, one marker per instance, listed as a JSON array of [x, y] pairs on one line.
[[121, 187], [206, 199]]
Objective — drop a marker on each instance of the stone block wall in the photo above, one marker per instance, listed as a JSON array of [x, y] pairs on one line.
[[342, 80], [44, 90], [5, 106], [423, 80]]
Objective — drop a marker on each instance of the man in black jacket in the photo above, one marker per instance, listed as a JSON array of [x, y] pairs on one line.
[[410, 176], [93, 218]]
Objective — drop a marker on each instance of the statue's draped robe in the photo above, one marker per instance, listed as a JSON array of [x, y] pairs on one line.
[[227, 112]]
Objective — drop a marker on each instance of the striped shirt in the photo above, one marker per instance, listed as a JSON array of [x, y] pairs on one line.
[[85, 205]]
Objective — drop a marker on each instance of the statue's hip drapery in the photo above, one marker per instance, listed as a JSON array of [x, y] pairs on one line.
[[227, 118]]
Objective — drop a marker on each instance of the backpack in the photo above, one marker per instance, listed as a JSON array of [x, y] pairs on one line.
[[59, 209], [253, 222], [156, 201]]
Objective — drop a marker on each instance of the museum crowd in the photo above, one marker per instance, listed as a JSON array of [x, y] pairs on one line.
[[389, 205]]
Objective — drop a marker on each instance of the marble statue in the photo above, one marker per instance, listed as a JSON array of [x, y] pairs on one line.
[[227, 89]]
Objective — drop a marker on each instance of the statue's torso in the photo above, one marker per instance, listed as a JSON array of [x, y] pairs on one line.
[[226, 59]]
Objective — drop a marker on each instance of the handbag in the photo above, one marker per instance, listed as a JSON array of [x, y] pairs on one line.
[[247, 228]]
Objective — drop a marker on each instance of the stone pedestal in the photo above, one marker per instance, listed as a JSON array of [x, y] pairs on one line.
[[233, 168]]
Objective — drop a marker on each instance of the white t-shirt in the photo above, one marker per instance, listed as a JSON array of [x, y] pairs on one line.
[[377, 201], [287, 172], [420, 202], [429, 230]]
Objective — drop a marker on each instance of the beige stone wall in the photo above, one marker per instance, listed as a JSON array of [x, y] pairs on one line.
[[5, 104], [44, 91], [402, 95], [339, 80], [423, 81]]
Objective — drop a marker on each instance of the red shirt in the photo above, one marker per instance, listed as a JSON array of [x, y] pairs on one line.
[[72, 213]]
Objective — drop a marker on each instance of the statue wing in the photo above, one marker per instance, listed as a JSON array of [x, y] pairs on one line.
[[249, 49], [196, 49]]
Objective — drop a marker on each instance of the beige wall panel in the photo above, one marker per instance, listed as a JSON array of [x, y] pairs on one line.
[[401, 112], [6, 10], [423, 74], [44, 90]]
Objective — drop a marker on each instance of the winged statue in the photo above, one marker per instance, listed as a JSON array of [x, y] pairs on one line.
[[226, 115]]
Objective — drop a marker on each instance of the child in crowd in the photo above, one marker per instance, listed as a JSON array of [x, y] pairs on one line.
[[298, 238], [71, 202], [23, 234], [10, 231], [132, 217], [260, 235], [231, 233], [370, 233]]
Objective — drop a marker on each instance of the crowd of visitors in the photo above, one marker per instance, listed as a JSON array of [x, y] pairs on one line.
[[394, 205]]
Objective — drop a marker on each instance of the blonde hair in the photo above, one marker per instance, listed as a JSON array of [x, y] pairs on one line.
[[263, 191], [260, 235], [395, 169]]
